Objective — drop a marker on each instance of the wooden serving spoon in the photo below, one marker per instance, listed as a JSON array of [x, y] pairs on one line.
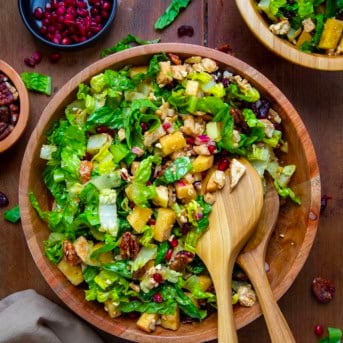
[[252, 261], [233, 219]]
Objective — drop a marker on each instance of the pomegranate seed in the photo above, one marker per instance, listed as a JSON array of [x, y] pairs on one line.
[[51, 29], [66, 41], [94, 11], [48, 7], [318, 330], [54, 18], [71, 11], [190, 140], [98, 19], [158, 277], [70, 2], [131, 204], [38, 13], [54, 57], [82, 12], [61, 10], [223, 164], [43, 30], [211, 149], [169, 254], [166, 126], [157, 297], [106, 6], [174, 242], [46, 21], [81, 4], [56, 40], [105, 14], [152, 221], [59, 28], [37, 57], [29, 62], [3, 200]]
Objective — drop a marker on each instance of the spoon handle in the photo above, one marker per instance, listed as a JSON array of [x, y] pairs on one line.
[[222, 278], [278, 328]]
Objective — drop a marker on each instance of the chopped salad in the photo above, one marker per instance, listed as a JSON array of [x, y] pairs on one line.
[[313, 26], [133, 168]]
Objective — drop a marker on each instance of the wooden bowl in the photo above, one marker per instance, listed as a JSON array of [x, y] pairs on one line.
[[286, 256], [259, 26], [19, 128]]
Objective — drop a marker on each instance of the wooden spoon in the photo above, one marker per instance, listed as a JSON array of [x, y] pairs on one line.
[[252, 261], [233, 219]]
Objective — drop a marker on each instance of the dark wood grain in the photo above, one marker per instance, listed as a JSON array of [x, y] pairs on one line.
[[316, 95]]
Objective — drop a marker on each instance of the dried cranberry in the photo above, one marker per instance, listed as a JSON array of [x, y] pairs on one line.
[[318, 330], [323, 289], [38, 13], [157, 297], [152, 221], [144, 126], [54, 57], [324, 202], [225, 48], [29, 62], [263, 109], [3, 200], [190, 140], [185, 30]]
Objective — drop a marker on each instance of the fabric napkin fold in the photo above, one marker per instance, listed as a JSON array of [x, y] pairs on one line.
[[27, 317]]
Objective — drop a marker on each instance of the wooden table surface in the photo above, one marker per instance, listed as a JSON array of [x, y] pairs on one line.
[[316, 95]]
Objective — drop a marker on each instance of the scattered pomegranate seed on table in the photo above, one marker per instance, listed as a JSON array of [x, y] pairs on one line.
[[185, 30], [318, 330]]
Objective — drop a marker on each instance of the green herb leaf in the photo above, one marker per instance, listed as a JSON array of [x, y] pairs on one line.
[[12, 215], [37, 82], [126, 43], [180, 167], [305, 8], [171, 13]]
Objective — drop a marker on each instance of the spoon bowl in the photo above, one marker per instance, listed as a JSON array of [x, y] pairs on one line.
[[252, 261], [233, 219]]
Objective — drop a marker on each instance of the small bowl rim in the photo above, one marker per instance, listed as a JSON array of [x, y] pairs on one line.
[[121, 59], [24, 104], [258, 26], [34, 32]]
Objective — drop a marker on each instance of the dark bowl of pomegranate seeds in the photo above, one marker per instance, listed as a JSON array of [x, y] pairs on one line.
[[67, 24], [14, 106]]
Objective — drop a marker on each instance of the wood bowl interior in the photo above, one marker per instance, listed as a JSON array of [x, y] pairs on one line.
[[259, 27], [19, 128], [297, 223]]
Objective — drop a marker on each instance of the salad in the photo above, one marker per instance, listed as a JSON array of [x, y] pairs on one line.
[[313, 26], [133, 168]]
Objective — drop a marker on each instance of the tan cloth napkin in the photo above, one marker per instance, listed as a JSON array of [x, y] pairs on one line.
[[27, 317]]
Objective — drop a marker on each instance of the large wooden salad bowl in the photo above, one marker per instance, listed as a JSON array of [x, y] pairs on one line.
[[286, 255]]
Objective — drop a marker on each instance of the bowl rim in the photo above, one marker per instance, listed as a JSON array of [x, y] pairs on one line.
[[118, 60], [34, 32], [258, 26], [24, 104]]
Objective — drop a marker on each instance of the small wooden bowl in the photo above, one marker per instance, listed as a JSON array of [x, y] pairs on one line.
[[259, 26], [286, 256], [19, 128]]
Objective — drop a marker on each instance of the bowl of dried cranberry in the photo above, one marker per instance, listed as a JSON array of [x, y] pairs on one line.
[[67, 24], [14, 106]]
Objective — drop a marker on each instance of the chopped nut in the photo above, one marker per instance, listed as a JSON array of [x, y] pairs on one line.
[[164, 76], [210, 198], [237, 170]]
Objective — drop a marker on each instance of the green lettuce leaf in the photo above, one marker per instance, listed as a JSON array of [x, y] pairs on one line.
[[126, 43], [37, 82], [179, 168], [170, 13]]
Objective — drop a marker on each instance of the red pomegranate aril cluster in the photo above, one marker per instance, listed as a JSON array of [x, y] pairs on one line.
[[72, 21]]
